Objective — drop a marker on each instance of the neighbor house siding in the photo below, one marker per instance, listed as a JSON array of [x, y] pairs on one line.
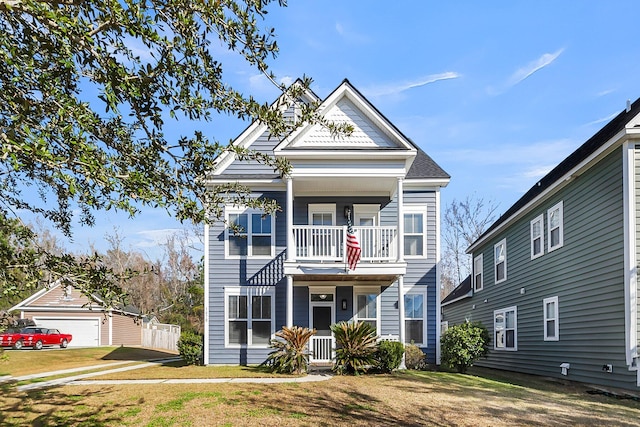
[[586, 275], [246, 271]]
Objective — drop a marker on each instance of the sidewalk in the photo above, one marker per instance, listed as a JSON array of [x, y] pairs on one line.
[[81, 378]]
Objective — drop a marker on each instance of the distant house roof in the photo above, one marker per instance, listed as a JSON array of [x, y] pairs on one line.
[[573, 160], [463, 290]]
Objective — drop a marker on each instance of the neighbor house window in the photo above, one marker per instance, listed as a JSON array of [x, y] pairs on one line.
[[249, 233], [500, 261], [414, 318], [505, 325], [551, 325], [367, 308], [537, 237], [477, 273], [414, 229], [250, 318], [556, 228]]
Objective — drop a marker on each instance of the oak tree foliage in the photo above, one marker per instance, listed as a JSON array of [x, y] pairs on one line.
[[88, 91]]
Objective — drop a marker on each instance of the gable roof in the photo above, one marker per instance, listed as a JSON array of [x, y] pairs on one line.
[[373, 132], [463, 290], [54, 295], [612, 133]]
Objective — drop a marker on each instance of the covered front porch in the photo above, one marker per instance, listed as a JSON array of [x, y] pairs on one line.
[[319, 304]]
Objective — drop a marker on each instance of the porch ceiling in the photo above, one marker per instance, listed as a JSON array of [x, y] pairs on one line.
[[325, 279], [308, 186]]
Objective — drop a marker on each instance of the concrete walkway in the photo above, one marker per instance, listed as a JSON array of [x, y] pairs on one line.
[[80, 379]]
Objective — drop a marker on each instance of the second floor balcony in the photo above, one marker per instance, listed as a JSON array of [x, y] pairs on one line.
[[329, 243], [317, 251]]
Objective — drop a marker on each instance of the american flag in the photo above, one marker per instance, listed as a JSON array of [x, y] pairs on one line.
[[353, 247]]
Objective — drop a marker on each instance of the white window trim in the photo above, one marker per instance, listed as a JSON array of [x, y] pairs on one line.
[[421, 209], [229, 210], [322, 208], [495, 261], [556, 336], [540, 219], [478, 260], [515, 328], [248, 291], [558, 206], [425, 332], [373, 210], [368, 291]]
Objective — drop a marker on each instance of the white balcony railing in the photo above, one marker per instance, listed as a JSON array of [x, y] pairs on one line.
[[328, 243]]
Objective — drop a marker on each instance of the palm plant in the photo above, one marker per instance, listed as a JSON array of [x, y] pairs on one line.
[[290, 354], [356, 347]]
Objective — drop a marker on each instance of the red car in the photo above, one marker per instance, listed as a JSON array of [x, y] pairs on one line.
[[34, 336]]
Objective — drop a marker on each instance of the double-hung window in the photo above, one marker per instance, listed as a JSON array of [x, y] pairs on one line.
[[551, 325], [537, 237], [414, 229], [367, 308], [555, 224], [505, 325], [249, 233], [500, 261], [414, 318], [477, 273], [249, 317]]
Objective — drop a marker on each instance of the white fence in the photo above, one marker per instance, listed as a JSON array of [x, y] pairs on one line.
[[161, 335], [321, 349]]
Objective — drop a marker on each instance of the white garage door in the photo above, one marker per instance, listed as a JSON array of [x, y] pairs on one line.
[[84, 332]]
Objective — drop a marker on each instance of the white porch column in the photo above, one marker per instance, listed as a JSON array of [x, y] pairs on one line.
[[289, 301], [401, 329], [400, 198], [291, 250]]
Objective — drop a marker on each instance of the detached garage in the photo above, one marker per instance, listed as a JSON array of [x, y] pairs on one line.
[[66, 309]]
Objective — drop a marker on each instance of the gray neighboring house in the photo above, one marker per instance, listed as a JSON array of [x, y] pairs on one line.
[[555, 277], [291, 268]]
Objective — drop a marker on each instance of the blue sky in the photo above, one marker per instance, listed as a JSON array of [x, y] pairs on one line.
[[497, 92]]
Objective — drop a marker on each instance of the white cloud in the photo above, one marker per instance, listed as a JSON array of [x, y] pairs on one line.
[[350, 36], [525, 72], [154, 238], [603, 119], [525, 160], [398, 87]]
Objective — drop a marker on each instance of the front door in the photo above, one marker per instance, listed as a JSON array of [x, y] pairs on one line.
[[321, 317]]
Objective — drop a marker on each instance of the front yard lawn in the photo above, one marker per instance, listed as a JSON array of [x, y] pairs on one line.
[[406, 398]]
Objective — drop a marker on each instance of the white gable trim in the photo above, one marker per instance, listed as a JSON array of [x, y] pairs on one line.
[[345, 90]]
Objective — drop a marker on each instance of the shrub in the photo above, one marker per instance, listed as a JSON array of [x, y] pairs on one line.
[[414, 357], [464, 344], [190, 346], [356, 347], [389, 355], [291, 354]]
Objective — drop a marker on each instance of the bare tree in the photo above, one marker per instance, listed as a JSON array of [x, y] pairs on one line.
[[464, 221]]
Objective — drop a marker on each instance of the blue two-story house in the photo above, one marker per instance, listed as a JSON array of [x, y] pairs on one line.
[[291, 268]]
